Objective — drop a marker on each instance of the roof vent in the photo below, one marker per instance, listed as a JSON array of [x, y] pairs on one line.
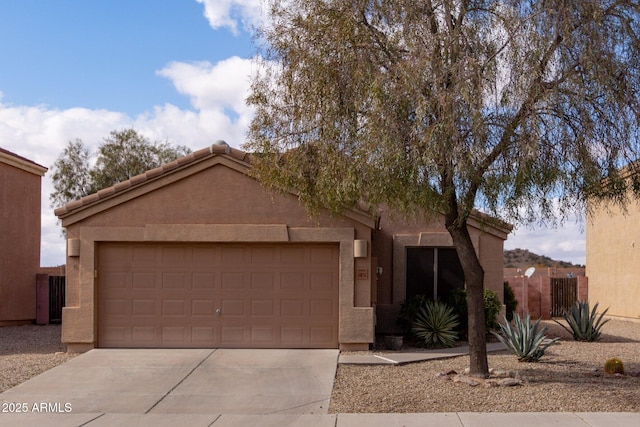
[[220, 146]]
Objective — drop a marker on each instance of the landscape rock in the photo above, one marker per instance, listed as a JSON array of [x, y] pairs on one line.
[[466, 380], [509, 382], [443, 376]]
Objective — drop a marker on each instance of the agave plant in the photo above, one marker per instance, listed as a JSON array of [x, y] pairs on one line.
[[524, 339], [585, 325], [435, 324]]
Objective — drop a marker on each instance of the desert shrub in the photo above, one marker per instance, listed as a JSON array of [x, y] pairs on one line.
[[524, 339], [492, 306], [614, 366], [435, 325], [510, 301], [584, 325], [409, 310]]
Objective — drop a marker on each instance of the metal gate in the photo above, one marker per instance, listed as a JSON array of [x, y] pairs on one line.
[[56, 298], [564, 293]]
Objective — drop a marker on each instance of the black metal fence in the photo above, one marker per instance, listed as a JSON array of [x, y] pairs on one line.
[[56, 298], [564, 293]]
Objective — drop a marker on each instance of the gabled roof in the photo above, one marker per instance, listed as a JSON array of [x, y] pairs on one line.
[[9, 158], [237, 159], [153, 174], [137, 185]]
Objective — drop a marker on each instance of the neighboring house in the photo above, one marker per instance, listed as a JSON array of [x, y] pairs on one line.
[[20, 188], [613, 259], [197, 253]]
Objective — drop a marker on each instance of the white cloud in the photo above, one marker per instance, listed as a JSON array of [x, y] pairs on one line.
[[40, 133], [223, 85], [229, 13]]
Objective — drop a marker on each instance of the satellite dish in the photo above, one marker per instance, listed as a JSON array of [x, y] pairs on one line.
[[530, 271]]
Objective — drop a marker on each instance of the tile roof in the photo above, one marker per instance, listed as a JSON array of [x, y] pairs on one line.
[[21, 162], [218, 148]]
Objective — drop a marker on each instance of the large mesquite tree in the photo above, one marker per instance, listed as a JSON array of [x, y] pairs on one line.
[[519, 108]]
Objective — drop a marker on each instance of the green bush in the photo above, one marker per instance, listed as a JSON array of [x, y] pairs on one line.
[[492, 306], [435, 325], [409, 310], [510, 301], [585, 325], [524, 339]]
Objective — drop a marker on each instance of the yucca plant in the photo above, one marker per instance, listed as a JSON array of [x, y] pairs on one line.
[[524, 339], [435, 324], [585, 325]]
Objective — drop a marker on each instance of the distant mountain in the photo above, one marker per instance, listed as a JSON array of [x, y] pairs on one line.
[[522, 258]]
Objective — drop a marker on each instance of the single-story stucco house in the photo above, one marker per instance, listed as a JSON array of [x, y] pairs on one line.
[[20, 210], [197, 253]]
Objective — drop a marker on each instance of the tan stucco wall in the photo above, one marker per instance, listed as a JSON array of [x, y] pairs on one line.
[[613, 260], [20, 189], [210, 202], [397, 233]]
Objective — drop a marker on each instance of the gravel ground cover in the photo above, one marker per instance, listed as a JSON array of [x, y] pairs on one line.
[[26, 351], [563, 380]]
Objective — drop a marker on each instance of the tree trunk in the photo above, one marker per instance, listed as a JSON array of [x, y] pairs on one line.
[[474, 280]]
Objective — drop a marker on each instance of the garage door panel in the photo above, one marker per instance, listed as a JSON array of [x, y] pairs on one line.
[[294, 255], [143, 255], [263, 256], [292, 281], [320, 334], [233, 307], [263, 335], [233, 255], [176, 280], [224, 295], [204, 335], [206, 255], [262, 308], [232, 335], [203, 280], [143, 280], [117, 279], [231, 281], [203, 307], [143, 307], [321, 307], [174, 255], [142, 335], [322, 255], [174, 335], [291, 307], [174, 308], [262, 280]]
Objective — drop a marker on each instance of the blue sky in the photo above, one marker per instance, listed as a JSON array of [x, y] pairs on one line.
[[105, 54], [175, 70]]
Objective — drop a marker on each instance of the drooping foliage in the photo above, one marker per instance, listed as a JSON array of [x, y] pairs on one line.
[[520, 108]]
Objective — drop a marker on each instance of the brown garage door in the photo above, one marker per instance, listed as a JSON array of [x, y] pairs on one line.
[[217, 295]]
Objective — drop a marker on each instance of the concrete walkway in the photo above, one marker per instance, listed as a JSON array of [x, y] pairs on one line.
[[404, 357], [443, 419], [222, 388]]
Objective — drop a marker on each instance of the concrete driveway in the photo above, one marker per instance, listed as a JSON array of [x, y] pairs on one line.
[[207, 382]]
